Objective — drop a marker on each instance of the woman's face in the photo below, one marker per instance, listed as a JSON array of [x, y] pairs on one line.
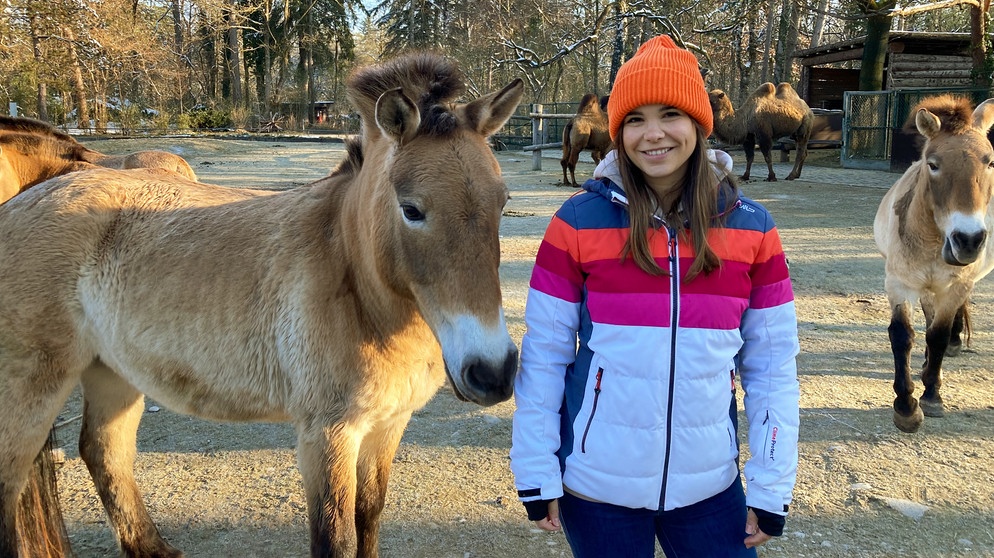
[[659, 140]]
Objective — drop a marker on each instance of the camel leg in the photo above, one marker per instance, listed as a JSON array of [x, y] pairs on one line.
[[576, 146], [375, 459], [564, 163], [327, 456], [750, 152], [908, 416], [112, 409], [802, 154], [766, 147], [33, 389]]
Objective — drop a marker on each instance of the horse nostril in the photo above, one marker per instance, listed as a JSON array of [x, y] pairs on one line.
[[491, 383], [969, 242]]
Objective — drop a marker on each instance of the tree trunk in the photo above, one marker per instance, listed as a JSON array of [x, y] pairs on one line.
[[232, 53], [819, 23], [871, 73], [40, 62], [787, 32], [79, 86], [766, 71], [978, 44]]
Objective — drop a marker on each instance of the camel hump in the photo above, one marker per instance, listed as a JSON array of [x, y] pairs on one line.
[[589, 103], [765, 90], [786, 91]]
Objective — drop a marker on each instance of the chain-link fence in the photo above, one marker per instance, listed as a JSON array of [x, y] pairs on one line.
[[872, 136]]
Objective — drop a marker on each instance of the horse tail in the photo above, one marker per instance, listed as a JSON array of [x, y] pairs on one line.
[[967, 327], [41, 531]]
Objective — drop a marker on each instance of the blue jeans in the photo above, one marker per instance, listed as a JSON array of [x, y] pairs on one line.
[[713, 528]]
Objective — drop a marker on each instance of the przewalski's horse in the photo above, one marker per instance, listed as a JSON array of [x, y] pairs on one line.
[[341, 306], [27, 159], [933, 229], [146, 159], [588, 129]]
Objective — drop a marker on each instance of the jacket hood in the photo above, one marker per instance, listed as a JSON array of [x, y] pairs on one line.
[[607, 179]]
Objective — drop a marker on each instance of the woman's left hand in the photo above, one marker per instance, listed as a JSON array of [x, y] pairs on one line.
[[756, 535]]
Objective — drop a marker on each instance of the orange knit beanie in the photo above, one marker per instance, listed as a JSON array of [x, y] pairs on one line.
[[660, 73]]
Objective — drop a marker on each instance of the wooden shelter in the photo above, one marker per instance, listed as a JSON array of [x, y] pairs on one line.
[[915, 60]]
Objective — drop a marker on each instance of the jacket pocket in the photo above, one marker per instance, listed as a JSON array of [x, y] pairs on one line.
[[593, 410]]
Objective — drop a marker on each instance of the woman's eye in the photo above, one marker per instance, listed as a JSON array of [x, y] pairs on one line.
[[412, 213]]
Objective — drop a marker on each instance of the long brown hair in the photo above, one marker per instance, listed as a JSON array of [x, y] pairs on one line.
[[697, 213]]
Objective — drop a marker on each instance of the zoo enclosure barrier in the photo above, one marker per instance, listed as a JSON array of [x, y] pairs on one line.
[[872, 135], [535, 124]]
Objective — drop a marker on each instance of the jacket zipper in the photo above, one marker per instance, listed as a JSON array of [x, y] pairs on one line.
[[674, 262], [593, 410]]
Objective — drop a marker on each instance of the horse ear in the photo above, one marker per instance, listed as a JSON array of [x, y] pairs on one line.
[[488, 113], [927, 123], [983, 115], [397, 116]]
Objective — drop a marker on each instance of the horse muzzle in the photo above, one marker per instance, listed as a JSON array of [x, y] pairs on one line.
[[963, 248], [485, 382]]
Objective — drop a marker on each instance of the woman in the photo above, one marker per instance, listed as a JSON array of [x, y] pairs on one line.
[[652, 288]]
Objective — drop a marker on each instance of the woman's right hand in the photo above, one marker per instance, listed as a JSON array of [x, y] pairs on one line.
[[551, 521]]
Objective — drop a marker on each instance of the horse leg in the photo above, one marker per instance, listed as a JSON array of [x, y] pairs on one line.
[[112, 409], [960, 321], [375, 459], [33, 388], [749, 146], [802, 154], [327, 456], [908, 415]]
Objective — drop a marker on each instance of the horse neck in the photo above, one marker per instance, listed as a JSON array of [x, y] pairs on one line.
[[32, 169]]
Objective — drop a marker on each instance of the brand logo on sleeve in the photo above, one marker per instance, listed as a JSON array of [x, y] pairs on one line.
[[773, 444]]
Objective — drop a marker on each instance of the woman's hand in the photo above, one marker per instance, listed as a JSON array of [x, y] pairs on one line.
[[756, 535], [551, 521]]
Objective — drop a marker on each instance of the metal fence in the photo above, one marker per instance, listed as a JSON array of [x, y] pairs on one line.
[[517, 133], [872, 136]]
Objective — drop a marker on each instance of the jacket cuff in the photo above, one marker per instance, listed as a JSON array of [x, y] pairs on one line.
[[537, 509], [770, 523]]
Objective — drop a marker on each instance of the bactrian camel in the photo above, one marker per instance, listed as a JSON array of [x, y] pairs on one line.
[[771, 112], [586, 130]]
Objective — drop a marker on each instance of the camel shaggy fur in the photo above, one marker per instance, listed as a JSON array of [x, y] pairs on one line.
[[771, 112], [587, 130]]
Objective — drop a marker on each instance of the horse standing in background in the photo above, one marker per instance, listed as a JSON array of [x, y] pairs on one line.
[[341, 306], [933, 228]]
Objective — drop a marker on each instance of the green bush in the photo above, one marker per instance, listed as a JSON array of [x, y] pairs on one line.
[[208, 119]]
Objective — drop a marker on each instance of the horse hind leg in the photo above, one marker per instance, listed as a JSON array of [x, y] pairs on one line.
[[112, 409], [31, 395], [373, 471]]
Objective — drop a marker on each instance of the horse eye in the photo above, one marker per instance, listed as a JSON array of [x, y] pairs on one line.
[[412, 213], [933, 167]]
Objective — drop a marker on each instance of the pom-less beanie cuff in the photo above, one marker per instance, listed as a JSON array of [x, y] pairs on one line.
[[660, 73]]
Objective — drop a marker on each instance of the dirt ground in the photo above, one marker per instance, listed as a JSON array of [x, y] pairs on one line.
[[864, 489]]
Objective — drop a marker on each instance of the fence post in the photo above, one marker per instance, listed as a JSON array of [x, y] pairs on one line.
[[538, 136]]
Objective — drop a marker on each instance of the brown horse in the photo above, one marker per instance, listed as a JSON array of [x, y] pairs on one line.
[[27, 159], [151, 158], [587, 130], [341, 306], [933, 229]]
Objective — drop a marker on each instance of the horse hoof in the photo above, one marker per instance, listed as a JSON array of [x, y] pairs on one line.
[[953, 350], [932, 407], [911, 423]]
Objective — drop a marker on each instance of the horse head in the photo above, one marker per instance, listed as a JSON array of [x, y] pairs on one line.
[[437, 196], [957, 164]]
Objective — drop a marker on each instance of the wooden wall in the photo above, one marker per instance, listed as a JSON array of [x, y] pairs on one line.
[[917, 71]]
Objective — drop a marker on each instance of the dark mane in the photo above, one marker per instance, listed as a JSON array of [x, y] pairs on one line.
[[352, 162], [35, 144], [955, 113], [32, 126], [432, 81]]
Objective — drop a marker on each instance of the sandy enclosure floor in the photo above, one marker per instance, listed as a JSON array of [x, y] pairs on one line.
[[864, 489]]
